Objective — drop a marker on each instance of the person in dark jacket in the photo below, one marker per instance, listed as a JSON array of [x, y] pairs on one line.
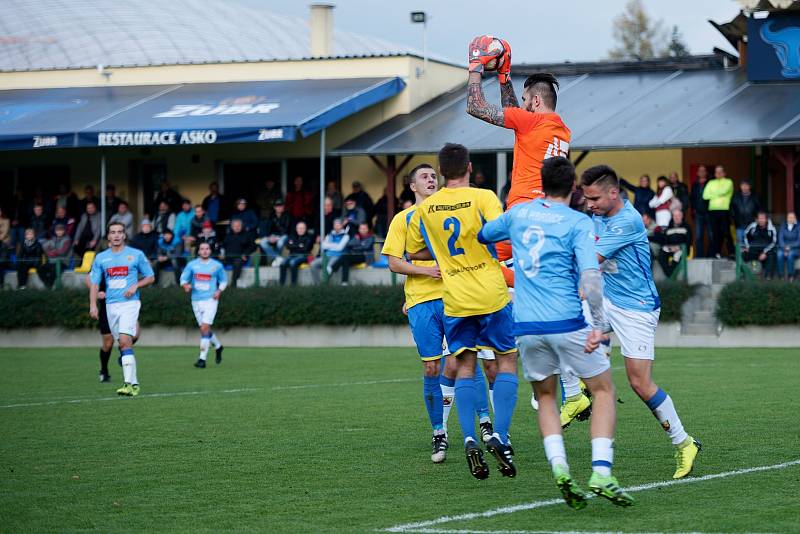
[[745, 206], [214, 204], [760, 241], [702, 220], [266, 198], [195, 227], [63, 218], [674, 238], [169, 254], [299, 245], [168, 195], [381, 224], [58, 249], [209, 236], [679, 191], [275, 231], [641, 194], [30, 256], [39, 222], [246, 215], [236, 248], [788, 245], [360, 249], [363, 200], [88, 232], [146, 240]]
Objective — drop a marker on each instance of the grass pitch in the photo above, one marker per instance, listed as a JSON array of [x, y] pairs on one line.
[[338, 440]]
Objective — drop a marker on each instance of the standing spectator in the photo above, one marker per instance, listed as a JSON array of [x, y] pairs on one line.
[[146, 241], [360, 249], [266, 198], [62, 217], [124, 217], [363, 200], [183, 220], [88, 232], [330, 214], [58, 250], [236, 248], [332, 192], [479, 179], [662, 202], [679, 192], [214, 205], [46, 202], [788, 245], [744, 208], [381, 224], [332, 249], [163, 218], [209, 236], [642, 195], [39, 222], [653, 236], [68, 200], [299, 244], [760, 240], [112, 201], [407, 195], [88, 196], [168, 195], [718, 192], [5, 230], [275, 232], [702, 222], [673, 238], [299, 202], [195, 227], [29, 257], [246, 215], [353, 214], [168, 254]]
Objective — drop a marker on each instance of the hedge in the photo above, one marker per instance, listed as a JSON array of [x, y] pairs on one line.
[[759, 303], [256, 307]]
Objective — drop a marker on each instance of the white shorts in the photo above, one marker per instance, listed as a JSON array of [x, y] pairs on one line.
[[205, 311], [635, 329], [551, 354], [122, 317]]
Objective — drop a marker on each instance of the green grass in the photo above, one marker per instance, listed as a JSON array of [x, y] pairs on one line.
[[298, 450]]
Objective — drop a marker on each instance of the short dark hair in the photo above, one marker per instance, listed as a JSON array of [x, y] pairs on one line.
[[410, 176], [544, 84], [114, 223], [453, 160], [600, 175], [558, 177]]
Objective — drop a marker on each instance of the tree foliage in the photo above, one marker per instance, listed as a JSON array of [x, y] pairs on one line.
[[677, 47], [637, 35]]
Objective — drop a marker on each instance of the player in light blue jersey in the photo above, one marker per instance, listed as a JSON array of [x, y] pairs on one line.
[[553, 249], [125, 270], [206, 279], [631, 300]]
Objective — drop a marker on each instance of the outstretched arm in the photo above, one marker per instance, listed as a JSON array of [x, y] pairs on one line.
[[477, 105], [508, 99]]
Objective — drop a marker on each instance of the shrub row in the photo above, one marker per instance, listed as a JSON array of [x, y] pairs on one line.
[[258, 307], [759, 303]]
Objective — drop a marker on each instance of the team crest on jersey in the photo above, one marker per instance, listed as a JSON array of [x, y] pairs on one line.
[[129, 258], [665, 426]]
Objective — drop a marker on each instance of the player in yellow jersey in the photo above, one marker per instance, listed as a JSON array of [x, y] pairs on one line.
[[477, 309]]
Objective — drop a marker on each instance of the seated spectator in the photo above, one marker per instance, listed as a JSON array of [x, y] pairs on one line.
[[168, 254], [363, 200], [760, 241], [58, 250], [146, 240], [214, 205], [88, 196], [332, 250], [353, 214], [332, 192], [68, 200], [112, 201], [745, 205], [163, 219], [653, 236], [246, 215], [642, 195], [183, 220], [407, 203], [38, 222], [662, 202], [195, 227], [236, 248], [124, 217], [330, 214], [5, 230], [299, 245], [788, 246], [62, 217], [209, 236], [381, 222], [30, 256], [673, 238], [360, 249], [87, 234], [275, 231], [407, 195], [299, 202], [168, 195]]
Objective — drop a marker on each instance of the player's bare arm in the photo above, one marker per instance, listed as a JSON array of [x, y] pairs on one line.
[[144, 282], [399, 266], [93, 313], [477, 105], [422, 255], [508, 98]]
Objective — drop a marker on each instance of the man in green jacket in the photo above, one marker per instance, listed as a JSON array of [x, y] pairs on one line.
[[718, 192]]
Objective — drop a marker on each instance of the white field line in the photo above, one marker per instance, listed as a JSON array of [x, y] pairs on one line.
[[421, 526], [468, 531], [345, 384]]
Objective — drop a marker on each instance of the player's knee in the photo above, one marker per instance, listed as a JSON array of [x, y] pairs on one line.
[[640, 385], [108, 344], [431, 368]]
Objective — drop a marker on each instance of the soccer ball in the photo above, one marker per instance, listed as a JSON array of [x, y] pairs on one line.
[[494, 64]]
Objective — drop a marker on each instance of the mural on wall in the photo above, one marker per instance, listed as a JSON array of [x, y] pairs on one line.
[[774, 48]]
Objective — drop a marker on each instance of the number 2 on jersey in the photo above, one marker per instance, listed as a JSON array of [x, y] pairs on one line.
[[451, 243]]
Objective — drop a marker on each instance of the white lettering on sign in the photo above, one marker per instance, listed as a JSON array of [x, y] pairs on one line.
[[189, 137], [193, 110], [265, 134], [44, 140]]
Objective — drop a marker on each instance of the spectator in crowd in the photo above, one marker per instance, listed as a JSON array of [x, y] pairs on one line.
[[19, 219], [653, 236], [330, 213], [679, 192], [183, 220], [353, 214], [246, 215], [673, 240], [662, 202], [146, 240], [5, 230], [29, 257], [163, 218], [209, 236], [642, 195], [88, 196], [168, 195], [407, 203], [89, 229], [363, 200], [744, 208], [39, 222], [124, 217], [718, 192], [760, 242], [360, 249], [46, 202], [195, 227], [236, 248], [62, 217], [479, 179], [265, 201], [112, 201], [381, 221], [407, 195], [68, 200], [214, 205], [332, 192], [275, 232], [58, 250], [788, 246], [168, 254], [332, 250], [702, 222], [299, 202], [299, 245]]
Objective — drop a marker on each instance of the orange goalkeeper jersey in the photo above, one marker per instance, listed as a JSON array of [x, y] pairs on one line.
[[538, 136]]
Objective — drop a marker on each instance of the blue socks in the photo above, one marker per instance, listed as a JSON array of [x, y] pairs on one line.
[[505, 399], [466, 402], [481, 399], [432, 394]]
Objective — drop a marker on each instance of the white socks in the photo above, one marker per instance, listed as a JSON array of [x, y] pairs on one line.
[[215, 341], [664, 410], [204, 341], [129, 369], [602, 455], [448, 394], [555, 451]]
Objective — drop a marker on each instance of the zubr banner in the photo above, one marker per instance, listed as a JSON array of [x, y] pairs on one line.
[[773, 49]]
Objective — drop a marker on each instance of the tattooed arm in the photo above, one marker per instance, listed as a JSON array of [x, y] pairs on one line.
[[477, 105], [508, 99]]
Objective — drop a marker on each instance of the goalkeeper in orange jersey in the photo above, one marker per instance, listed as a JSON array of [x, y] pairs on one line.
[[539, 132]]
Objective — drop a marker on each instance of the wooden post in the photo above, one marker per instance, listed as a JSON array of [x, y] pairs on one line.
[[789, 158]]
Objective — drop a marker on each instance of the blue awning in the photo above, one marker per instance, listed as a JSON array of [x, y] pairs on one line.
[[185, 114]]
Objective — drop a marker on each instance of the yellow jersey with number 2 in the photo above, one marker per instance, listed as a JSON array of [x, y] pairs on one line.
[[448, 223]]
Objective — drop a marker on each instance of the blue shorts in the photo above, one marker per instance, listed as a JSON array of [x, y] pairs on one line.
[[427, 327], [481, 332]]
